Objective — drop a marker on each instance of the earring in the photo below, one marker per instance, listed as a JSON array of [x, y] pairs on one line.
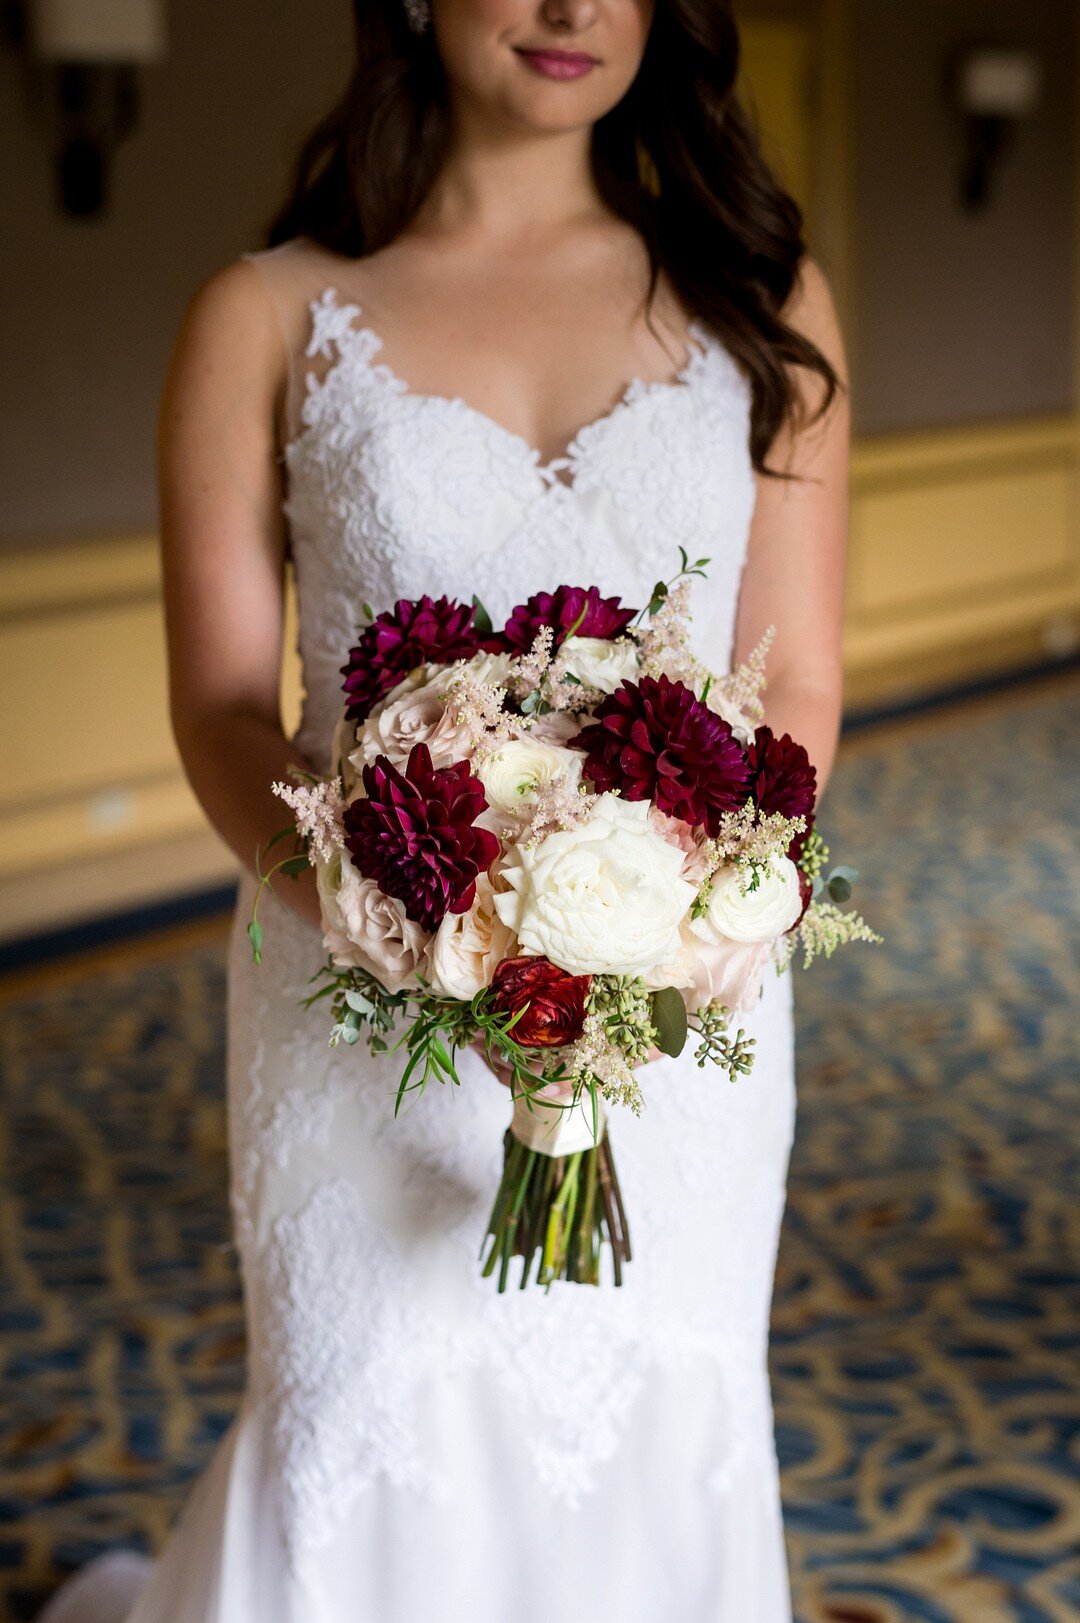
[[417, 14]]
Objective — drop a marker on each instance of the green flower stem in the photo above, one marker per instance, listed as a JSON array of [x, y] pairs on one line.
[[566, 1208], [545, 1178]]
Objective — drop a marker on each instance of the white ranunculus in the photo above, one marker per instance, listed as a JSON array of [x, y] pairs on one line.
[[761, 914], [512, 776], [363, 928], [604, 897], [465, 949], [599, 662]]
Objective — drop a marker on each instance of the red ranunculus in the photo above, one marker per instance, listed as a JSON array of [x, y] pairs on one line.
[[562, 609], [654, 740], [415, 834], [553, 1001], [410, 634]]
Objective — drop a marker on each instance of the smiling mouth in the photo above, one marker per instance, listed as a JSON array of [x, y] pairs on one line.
[[555, 64]]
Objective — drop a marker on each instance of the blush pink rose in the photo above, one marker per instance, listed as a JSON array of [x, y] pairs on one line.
[[364, 929], [727, 972]]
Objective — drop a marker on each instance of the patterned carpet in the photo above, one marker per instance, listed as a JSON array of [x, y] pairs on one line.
[[926, 1352]]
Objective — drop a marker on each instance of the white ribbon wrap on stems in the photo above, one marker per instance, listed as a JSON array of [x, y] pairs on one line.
[[557, 1129]]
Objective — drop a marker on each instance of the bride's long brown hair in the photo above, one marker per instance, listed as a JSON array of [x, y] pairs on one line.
[[677, 158]]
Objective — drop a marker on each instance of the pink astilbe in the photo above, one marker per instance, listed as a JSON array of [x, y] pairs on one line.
[[480, 706], [742, 687], [527, 671], [318, 810], [747, 839], [664, 641], [553, 806], [563, 692], [595, 1059], [544, 671]]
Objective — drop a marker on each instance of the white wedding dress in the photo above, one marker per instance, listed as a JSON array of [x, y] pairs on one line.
[[413, 1447]]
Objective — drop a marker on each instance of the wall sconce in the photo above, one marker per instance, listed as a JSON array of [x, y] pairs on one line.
[[996, 89], [91, 51]]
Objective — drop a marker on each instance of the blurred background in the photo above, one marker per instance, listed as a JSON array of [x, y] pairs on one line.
[[928, 1296]]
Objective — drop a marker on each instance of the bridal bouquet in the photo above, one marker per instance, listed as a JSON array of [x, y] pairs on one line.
[[569, 844]]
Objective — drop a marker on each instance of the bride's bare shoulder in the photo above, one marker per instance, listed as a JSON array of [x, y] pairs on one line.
[[228, 363]]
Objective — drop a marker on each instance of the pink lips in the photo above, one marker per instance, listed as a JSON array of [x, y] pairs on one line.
[[558, 64]]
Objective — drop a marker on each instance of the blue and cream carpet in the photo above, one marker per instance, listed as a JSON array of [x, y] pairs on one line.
[[926, 1348]]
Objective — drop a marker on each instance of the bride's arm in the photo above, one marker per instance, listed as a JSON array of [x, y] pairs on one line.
[[223, 550], [794, 575]]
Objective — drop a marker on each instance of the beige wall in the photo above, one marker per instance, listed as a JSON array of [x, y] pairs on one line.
[[958, 318], [88, 308]]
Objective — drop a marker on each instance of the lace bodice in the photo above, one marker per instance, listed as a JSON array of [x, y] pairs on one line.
[[391, 493]]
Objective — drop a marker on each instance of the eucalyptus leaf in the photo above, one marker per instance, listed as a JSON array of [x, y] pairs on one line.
[[294, 865], [255, 936], [481, 618], [839, 888], [841, 871], [356, 1000], [669, 1017]]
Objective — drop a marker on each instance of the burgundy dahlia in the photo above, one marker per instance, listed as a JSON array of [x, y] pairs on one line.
[[411, 633], [553, 1000], [653, 740], [782, 779], [561, 609], [415, 834]]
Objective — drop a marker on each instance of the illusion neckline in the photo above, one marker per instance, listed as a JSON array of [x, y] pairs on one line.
[[363, 343]]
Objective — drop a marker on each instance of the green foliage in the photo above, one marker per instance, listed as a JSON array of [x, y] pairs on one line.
[[481, 617], [669, 1018], [292, 866], [663, 587], [624, 1004], [732, 1054], [814, 855], [824, 927]]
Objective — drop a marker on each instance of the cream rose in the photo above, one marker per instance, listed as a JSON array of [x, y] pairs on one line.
[[556, 727], [465, 949], [415, 712], [363, 929], [740, 726], [761, 914], [600, 663], [341, 748], [512, 776], [606, 896], [421, 710]]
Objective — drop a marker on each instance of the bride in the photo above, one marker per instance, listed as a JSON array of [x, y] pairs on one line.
[[535, 312]]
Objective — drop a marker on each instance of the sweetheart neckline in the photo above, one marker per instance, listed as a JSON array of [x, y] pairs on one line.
[[363, 341]]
